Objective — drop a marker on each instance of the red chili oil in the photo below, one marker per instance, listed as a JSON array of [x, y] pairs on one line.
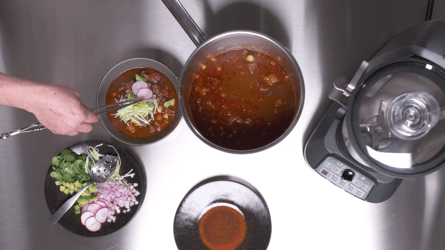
[[222, 228]]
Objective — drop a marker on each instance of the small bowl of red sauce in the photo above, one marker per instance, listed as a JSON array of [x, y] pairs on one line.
[[222, 213], [150, 120], [222, 226]]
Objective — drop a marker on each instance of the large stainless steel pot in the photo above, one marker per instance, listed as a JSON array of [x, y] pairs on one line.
[[231, 40]]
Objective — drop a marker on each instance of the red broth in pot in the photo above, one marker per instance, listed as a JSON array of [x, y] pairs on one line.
[[163, 91], [242, 99]]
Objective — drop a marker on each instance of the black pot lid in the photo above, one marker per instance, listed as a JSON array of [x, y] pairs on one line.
[[397, 120]]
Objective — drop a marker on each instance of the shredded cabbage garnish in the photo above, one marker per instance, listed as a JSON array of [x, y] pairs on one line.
[[94, 156], [141, 113]]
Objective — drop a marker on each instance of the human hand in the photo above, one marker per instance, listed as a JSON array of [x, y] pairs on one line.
[[60, 110]]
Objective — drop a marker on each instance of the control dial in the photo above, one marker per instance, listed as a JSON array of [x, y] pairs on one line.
[[348, 175]]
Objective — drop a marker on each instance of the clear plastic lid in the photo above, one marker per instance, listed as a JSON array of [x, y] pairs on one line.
[[401, 116]]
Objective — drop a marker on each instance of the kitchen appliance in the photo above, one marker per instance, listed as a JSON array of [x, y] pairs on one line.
[[386, 123]]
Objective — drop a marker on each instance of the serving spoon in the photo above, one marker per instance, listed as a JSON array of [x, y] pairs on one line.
[[101, 172]]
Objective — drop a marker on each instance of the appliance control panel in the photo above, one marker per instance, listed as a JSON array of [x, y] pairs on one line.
[[345, 177]]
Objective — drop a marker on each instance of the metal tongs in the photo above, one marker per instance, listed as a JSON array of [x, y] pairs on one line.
[[107, 108]]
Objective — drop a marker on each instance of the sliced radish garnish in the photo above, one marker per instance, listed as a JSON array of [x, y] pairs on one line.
[[92, 224], [145, 93], [102, 215], [93, 207], [138, 85], [102, 200], [85, 216], [84, 208], [100, 203]]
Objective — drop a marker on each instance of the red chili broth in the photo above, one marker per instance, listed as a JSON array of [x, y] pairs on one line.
[[241, 105]]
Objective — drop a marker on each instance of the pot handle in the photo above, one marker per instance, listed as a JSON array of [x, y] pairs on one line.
[[187, 23]]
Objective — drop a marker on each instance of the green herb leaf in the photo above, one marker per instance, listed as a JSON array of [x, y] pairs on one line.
[[65, 152], [69, 168], [77, 209], [55, 161], [70, 157]]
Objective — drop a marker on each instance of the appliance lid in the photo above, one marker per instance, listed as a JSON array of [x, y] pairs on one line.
[[398, 117]]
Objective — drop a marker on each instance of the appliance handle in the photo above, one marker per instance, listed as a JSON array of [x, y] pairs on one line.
[[361, 70], [342, 90]]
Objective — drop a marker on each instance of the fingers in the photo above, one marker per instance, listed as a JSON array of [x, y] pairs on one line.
[[71, 133], [67, 114], [91, 117], [85, 127], [84, 124]]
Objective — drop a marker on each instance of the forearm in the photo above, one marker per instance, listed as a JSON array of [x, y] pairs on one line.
[[57, 107], [20, 93]]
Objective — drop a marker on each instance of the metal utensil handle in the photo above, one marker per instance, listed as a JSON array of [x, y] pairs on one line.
[[115, 106], [186, 21], [38, 126], [67, 205], [31, 128]]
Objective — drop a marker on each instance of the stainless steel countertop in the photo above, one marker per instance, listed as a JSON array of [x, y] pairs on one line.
[[76, 42]]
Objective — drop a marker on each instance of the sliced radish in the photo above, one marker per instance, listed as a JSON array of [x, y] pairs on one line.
[[102, 215], [100, 203], [141, 89], [93, 207], [138, 85], [92, 224], [85, 216], [103, 201], [84, 208], [145, 93]]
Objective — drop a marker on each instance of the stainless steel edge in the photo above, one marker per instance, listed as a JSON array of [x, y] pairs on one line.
[[75, 43]]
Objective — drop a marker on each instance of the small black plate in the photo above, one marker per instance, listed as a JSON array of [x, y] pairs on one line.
[[223, 189], [71, 221]]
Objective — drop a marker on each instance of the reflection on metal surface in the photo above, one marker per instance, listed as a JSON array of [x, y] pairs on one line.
[[75, 43]]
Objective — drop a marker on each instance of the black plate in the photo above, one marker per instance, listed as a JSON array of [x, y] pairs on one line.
[[223, 189], [71, 221]]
